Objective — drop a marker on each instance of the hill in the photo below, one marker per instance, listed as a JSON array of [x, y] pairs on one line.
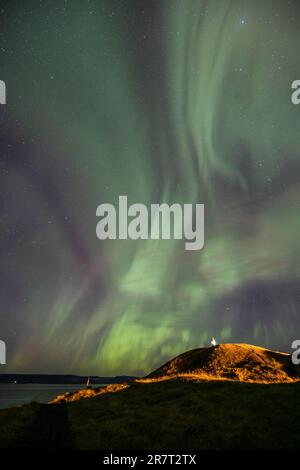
[[231, 362], [233, 396], [173, 414], [242, 362]]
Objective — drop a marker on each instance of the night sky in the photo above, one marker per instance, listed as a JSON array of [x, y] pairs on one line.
[[164, 101]]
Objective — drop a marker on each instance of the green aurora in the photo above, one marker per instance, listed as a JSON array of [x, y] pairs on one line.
[[171, 101]]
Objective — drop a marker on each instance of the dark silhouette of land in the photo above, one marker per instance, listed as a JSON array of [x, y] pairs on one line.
[[60, 379], [226, 397]]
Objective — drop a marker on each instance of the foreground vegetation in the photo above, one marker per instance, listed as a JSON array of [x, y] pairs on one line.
[[171, 414]]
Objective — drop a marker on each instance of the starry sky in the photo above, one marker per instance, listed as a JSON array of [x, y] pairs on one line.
[[170, 101]]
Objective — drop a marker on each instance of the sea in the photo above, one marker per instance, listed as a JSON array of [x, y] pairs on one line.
[[20, 394]]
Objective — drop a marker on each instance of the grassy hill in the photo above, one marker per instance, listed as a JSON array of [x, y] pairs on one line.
[[179, 406], [241, 362]]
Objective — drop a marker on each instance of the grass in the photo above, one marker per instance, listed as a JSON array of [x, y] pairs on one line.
[[172, 414]]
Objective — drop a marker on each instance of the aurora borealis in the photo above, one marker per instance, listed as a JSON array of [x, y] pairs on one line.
[[163, 101]]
